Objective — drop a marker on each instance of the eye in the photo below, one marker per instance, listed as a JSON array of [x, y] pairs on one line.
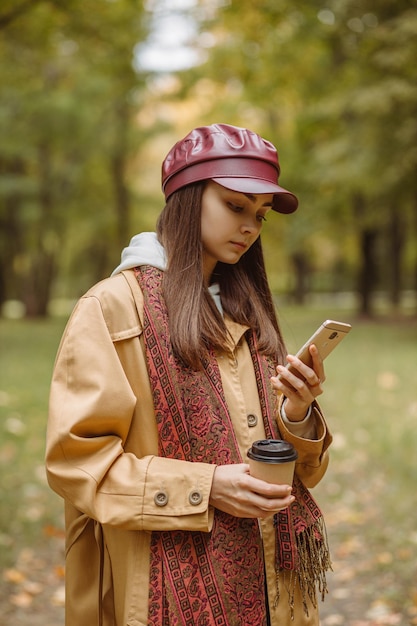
[[235, 207], [261, 218]]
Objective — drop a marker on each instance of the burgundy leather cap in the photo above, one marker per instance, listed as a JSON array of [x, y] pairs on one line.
[[236, 158]]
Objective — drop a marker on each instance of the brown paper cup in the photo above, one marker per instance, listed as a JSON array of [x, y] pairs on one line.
[[272, 460], [278, 473]]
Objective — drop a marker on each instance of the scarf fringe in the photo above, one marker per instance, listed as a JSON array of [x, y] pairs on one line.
[[313, 563]]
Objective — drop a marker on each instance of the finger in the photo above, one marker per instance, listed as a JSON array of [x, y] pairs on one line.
[[304, 372], [269, 490], [270, 506], [275, 506], [318, 365], [289, 382]]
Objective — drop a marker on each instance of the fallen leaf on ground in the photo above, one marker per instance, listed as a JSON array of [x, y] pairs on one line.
[[58, 599], [33, 588], [14, 576], [22, 599]]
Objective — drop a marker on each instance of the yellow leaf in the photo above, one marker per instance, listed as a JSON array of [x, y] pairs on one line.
[[22, 600], [14, 576]]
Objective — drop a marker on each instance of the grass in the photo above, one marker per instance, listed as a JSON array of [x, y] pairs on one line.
[[368, 494], [26, 360]]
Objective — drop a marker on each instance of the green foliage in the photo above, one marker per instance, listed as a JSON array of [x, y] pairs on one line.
[[67, 107], [332, 86]]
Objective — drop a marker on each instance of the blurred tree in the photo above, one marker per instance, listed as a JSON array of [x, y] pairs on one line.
[[67, 120], [12, 11], [334, 87], [373, 154]]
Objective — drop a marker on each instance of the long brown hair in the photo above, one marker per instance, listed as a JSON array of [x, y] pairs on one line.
[[195, 322]]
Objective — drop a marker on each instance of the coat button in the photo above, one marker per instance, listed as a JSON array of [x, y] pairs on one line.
[[161, 498], [252, 420], [195, 498]]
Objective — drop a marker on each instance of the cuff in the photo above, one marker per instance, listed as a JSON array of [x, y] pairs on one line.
[[306, 428]]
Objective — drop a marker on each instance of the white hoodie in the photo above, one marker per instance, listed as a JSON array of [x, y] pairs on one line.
[[145, 249]]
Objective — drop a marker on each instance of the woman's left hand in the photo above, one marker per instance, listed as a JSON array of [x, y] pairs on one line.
[[302, 389]]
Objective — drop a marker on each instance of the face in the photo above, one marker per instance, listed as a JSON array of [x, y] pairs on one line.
[[230, 223]]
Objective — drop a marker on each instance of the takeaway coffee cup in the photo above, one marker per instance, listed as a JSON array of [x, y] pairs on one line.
[[272, 460]]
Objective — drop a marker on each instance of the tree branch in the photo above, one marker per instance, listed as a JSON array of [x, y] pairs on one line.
[[16, 12]]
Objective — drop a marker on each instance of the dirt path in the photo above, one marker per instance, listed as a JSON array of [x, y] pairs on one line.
[[32, 592]]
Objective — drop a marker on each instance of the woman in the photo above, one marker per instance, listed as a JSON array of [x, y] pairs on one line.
[[166, 374]]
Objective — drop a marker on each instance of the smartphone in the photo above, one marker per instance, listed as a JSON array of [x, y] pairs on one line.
[[326, 338]]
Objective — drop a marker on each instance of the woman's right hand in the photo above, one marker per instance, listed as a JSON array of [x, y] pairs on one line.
[[237, 493]]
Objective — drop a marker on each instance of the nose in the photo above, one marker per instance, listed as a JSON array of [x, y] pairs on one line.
[[251, 226]]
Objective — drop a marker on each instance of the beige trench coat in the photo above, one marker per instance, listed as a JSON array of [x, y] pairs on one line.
[[102, 459]]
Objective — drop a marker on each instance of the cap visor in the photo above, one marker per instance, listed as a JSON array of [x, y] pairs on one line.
[[284, 201]]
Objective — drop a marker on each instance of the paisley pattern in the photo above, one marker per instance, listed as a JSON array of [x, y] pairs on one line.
[[216, 578]]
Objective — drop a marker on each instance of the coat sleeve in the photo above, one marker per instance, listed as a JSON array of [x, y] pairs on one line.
[[313, 456], [95, 431]]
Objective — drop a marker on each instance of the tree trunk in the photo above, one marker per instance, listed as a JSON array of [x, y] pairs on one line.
[[415, 260], [367, 271], [37, 285], [10, 246], [11, 235], [118, 170], [301, 273], [395, 247]]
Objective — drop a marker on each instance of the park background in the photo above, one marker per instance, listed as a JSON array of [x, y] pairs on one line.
[[92, 96]]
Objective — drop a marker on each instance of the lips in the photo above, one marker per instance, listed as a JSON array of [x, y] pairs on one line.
[[240, 244]]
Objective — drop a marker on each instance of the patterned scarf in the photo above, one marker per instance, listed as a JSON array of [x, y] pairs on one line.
[[217, 578]]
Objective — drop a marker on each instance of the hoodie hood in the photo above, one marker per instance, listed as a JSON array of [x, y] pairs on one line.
[[143, 249]]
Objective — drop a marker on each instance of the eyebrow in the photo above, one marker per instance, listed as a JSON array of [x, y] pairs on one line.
[[252, 198]]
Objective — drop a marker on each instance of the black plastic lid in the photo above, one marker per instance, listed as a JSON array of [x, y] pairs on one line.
[[272, 451]]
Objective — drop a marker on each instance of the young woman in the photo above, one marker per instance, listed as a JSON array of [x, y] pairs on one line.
[[167, 373]]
